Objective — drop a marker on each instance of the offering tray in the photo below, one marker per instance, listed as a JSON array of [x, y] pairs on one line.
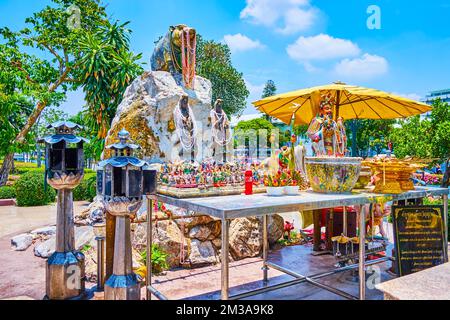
[[182, 193], [392, 176]]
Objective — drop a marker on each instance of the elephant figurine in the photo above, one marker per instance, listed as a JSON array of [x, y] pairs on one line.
[[176, 53]]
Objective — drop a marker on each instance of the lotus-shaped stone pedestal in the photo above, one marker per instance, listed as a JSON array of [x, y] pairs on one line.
[[123, 284], [65, 268]]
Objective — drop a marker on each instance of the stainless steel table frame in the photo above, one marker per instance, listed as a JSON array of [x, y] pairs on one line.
[[227, 208]]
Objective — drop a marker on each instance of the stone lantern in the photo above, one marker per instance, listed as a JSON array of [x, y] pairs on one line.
[[121, 182], [64, 162]]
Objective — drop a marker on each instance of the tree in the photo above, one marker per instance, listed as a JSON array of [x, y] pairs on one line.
[[428, 138], [412, 138], [301, 130], [108, 68], [17, 98], [14, 109], [249, 131], [370, 134], [214, 63], [49, 116], [80, 52], [255, 124], [269, 90]]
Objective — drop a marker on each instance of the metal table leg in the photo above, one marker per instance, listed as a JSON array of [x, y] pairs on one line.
[[344, 221], [148, 262], [317, 231], [265, 268], [225, 260], [445, 199], [362, 254]]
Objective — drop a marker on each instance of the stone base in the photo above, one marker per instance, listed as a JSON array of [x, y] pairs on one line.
[[65, 275], [123, 288]]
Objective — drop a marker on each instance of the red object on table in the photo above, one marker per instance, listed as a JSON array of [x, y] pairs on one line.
[[248, 182]]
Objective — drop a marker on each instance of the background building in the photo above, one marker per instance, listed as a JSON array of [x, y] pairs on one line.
[[444, 95]]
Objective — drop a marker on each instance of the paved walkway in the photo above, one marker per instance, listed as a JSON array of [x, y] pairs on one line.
[[15, 220], [204, 283], [21, 273]]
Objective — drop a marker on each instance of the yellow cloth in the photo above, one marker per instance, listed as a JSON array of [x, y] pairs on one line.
[[307, 218]]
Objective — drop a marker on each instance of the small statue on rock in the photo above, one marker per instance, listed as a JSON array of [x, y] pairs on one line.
[[220, 124], [185, 124]]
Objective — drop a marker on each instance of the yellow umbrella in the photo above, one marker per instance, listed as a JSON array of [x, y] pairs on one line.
[[352, 102]]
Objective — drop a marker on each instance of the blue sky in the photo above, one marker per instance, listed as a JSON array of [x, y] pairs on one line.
[[296, 43]]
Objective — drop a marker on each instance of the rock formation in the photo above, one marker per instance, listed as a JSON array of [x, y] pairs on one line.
[[147, 112], [21, 242], [83, 236], [246, 235]]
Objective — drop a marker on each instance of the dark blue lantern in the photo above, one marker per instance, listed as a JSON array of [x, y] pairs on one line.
[[64, 150], [124, 175]]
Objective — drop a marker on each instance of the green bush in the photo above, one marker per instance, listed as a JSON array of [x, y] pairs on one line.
[[30, 190], [86, 191], [21, 171], [7, 192], [22, 168], [159, 259]]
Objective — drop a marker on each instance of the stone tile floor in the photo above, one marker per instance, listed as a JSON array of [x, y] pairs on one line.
[[246, 275]]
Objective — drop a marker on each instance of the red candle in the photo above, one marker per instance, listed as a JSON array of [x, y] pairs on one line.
[[248, 182]]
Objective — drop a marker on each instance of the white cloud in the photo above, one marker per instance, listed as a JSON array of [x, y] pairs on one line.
[[321, 47], [367, 66], [255, 90], [239, 42], [412, 96], [286, 16], [297, 19]]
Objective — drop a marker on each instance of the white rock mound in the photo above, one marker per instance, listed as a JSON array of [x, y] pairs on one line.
[[147, 112]]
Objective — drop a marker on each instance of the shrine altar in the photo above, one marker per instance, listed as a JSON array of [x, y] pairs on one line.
[[227, 208]]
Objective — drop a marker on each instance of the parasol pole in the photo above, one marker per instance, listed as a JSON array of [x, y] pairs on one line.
[[338, 100], [292, 124], [354, 129]]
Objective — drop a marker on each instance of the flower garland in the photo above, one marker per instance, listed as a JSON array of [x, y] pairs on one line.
[[188, 57]]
